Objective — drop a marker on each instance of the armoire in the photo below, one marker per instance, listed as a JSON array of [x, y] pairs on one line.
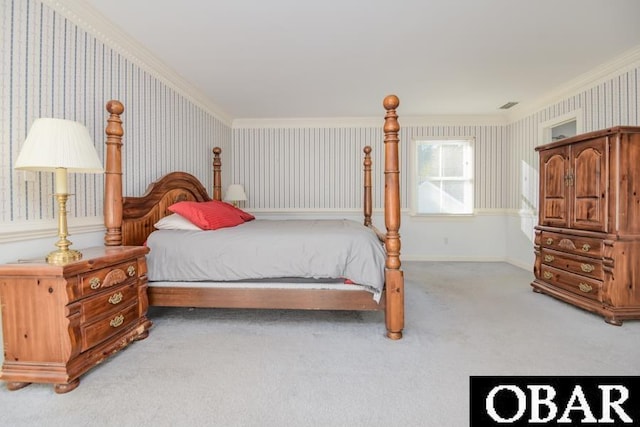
[[587, 241]]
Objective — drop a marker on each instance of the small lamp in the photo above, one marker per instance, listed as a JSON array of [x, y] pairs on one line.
[[60, 146], [235, 193]]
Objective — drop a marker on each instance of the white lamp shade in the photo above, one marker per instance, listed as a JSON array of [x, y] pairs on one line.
[[57, 143], [235, 192]]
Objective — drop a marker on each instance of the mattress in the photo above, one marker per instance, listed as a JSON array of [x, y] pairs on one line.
[[272, 251]]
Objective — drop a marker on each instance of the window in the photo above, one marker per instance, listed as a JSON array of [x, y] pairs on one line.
[[443, 176], [560, 127]]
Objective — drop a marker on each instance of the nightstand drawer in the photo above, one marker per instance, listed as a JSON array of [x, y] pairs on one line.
[[575, 264], [98, 280], [575, 283], [100, 330], [576, 245], [108, 302]]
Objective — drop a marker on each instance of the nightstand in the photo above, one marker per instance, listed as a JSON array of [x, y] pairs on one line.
[[60, 321]]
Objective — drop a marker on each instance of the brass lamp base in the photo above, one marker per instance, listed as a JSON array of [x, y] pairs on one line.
[[62, 257]]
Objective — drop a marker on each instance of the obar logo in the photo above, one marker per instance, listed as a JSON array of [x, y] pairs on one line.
[[525, 401]]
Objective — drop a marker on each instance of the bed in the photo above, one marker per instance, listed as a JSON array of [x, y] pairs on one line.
[[131, 221]]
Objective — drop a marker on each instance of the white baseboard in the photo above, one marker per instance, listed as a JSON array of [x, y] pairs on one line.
[[513, 262]]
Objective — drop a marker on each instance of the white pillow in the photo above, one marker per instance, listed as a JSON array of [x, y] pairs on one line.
[[175, 222]]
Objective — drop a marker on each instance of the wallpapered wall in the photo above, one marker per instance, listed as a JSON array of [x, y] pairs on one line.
[[51, 67], [311, 168], [611, 103], [321, 168]]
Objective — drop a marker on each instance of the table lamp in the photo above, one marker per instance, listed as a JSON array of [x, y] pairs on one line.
[[59, 146], [235, 193]]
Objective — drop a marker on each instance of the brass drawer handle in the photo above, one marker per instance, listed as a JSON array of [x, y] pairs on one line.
[[117, 321], [587, 268], [549, 258], [549, 241], [94, 283], [115, 298], [586, 247], [584, 287], [131, 271], [547, 275]]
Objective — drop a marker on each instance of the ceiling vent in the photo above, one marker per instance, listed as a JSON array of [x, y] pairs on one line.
[[508, 105]]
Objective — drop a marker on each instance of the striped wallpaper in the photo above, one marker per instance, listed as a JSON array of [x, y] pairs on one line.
[[321, 168], [50, 67], [271, 163], [611, 103]]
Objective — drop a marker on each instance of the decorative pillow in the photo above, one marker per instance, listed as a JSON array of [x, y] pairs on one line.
[[244, 215], [175, 222], [208, 215]]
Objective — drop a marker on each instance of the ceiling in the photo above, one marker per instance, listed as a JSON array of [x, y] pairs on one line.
[[339, 58]]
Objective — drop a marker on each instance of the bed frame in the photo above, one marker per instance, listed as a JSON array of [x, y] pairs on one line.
[[130, 220]]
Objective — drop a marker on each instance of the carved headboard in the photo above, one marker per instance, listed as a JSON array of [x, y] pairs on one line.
[[139, 214], [130, 220]]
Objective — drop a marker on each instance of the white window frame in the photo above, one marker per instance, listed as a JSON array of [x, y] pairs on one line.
[[469, 173], [545, 129]]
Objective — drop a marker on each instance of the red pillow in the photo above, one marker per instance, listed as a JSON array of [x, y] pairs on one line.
[[208, 215], [244, 215]]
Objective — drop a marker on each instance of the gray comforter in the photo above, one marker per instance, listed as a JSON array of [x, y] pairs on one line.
[[269, 249]]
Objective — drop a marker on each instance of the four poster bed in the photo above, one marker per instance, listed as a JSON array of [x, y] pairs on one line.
[[132, 221]]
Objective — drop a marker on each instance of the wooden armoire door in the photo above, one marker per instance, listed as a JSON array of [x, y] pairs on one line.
[[554, 191], [589, 193]]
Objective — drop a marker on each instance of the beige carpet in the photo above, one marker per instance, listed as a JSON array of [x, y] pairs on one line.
[[203, 367]]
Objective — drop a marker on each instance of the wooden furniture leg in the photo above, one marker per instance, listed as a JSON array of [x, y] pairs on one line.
[[66, 388], [16, 385]]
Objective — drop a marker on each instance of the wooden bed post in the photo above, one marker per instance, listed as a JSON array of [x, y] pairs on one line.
[[394, 280], [113, 176], [217, 178], [368, 204]]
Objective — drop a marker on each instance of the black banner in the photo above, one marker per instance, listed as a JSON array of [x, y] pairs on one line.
[[562, 400]]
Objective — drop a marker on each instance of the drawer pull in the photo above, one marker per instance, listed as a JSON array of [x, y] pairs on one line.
[[587, 268], [549, 241], [131, 271], [547, 275], [94, 283], [586, 247], [549, 258], [117, 321], [115, 298], [584, 287]]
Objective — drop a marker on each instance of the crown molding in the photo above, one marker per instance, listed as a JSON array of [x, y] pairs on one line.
[[92, 21], [88, 18], [364, 122], [619, 65]]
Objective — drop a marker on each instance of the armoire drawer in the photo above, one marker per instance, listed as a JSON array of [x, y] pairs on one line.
[[580, 285], [585, 246], [576, 264]]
